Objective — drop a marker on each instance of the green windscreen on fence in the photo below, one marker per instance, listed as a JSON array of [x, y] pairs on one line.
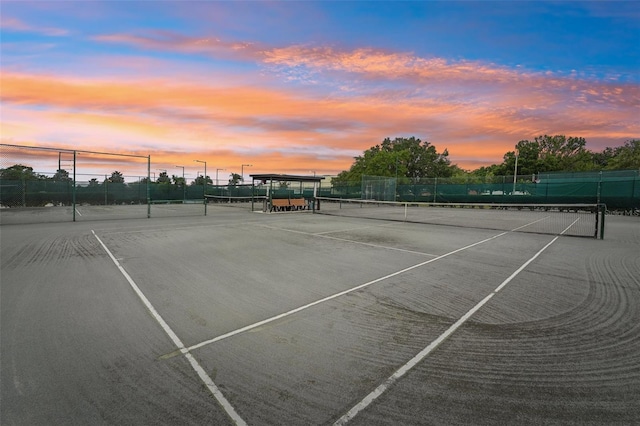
[[619, 190], [583, 220]]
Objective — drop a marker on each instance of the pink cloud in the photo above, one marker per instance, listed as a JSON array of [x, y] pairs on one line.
[[14, 24], [171, 41], [474, 110]]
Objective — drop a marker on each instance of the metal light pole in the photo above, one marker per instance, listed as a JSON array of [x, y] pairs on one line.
[[184, 187], [242, 171], [204, 187], [217, 170]]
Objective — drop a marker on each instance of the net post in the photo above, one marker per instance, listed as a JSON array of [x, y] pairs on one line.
[[315, 196], [602, 210]]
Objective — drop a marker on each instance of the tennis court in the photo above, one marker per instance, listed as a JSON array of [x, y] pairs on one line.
[[301, 318]]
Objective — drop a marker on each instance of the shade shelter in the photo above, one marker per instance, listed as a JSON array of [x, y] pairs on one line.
[[286, 192]]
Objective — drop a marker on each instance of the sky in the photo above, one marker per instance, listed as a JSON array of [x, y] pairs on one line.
[[303, 87]]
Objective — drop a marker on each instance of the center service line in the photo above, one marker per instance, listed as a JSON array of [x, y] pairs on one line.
[[231, 412], [432, 346], [333, 296]]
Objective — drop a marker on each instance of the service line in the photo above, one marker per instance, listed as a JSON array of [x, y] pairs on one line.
[[231, 412], [432, 346], [328, 237]]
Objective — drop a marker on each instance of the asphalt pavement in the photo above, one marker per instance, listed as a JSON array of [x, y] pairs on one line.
[[298, 318]]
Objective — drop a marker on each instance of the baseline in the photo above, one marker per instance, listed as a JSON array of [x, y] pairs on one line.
[[156, 227]]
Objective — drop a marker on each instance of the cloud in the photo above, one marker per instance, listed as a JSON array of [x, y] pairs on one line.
[[327, 102], [175, 42], [14, 24], [429, 77]]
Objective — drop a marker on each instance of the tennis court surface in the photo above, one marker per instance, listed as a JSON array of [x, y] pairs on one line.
[[299, 318]]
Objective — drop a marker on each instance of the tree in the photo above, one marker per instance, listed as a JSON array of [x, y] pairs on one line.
[[62, 175], [624, 157], [200, 180], [561, 153], [405, 158], [178, 180], [94, 183], [486, 171], [116, 177], [601, 159], [234, 179], [163, 178], [19, 172], [547, 154]]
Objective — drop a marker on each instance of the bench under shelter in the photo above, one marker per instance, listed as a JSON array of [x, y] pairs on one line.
[[286, 192]]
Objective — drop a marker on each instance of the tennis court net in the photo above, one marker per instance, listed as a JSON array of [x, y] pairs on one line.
[[584, 220], [245, 202]]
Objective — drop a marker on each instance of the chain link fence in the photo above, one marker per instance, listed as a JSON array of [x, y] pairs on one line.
[[619, 189], [37, 177]]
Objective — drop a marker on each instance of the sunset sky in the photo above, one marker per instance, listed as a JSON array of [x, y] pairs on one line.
[[304, 86]]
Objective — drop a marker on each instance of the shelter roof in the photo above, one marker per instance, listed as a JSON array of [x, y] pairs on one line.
[[286, 178]]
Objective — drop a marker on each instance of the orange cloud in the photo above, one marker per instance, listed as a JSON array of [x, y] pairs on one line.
[[297, 129]]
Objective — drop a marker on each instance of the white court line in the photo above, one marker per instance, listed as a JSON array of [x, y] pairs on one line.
[[352, 229], [567, 228], [155, 227], [529, 224], [432, 346], [333, 296], [321, 235], [78, 211], [231, 412]]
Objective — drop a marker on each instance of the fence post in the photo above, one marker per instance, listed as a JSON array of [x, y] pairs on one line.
[[148, 186], [73, 192], [599, 190], [435, 189]]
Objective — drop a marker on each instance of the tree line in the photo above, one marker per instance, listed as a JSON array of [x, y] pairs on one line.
[[410, 159], [19, 172], [20, 185]]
